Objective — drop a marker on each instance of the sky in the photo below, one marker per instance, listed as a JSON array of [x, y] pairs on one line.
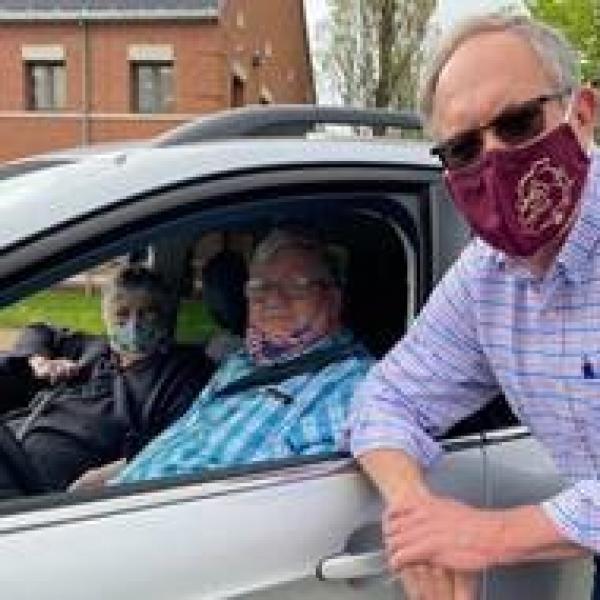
[[447, 9], [315, 9]]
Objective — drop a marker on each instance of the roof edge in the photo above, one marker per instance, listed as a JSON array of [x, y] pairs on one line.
[[108, 15]]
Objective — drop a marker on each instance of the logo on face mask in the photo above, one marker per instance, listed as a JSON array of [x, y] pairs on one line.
[[543, 196]]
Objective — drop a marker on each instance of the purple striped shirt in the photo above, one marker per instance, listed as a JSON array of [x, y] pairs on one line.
[[490, 326]]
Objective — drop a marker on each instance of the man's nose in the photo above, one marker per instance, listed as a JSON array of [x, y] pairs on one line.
[[490, 141]]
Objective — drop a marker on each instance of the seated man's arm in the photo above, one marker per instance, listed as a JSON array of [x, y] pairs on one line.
[[96, 478], [325, 399], [180, 378]]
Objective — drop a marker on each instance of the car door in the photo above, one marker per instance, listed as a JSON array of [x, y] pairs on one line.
[[296, 532], [520, 471], [309, 528], [517, 469]]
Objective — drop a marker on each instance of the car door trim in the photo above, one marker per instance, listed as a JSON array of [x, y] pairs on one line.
[[146, 495], [176, 493]]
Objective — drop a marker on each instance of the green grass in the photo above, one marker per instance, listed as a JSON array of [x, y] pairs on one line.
[[80, 311], [193, 322]]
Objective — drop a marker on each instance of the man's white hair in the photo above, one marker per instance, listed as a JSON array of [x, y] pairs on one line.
[[281, 239], [555, 54]]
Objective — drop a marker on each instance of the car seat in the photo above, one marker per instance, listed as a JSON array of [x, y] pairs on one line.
[[223, 279], [18, 476]]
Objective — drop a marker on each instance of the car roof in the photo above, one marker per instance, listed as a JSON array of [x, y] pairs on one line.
[[74, 190], [252, 121]]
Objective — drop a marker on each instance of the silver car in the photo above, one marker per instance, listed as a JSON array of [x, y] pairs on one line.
[[280, 530]]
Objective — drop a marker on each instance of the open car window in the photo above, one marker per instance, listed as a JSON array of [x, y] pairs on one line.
[[377, 237]]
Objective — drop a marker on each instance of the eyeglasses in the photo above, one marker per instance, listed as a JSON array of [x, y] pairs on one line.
[[515, 125], [122, 313], [258, 289]]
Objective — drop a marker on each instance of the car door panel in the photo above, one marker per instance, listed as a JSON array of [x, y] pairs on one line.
[[459, 474], [260, 537], [513, 481], [219, 541]]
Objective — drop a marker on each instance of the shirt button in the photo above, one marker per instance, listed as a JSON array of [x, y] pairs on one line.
[[536, 292]]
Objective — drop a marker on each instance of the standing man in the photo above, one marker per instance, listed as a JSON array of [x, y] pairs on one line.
[[517, 313]]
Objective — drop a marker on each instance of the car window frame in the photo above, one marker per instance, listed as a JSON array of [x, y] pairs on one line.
[[220, 199], [99, 248], [35, 257]]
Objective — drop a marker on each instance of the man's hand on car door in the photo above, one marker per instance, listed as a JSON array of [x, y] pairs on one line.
[[428, 529]]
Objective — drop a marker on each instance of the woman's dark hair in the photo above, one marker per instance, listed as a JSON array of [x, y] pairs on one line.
[[137, 278]]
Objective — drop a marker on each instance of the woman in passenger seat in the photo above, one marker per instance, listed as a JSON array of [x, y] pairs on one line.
[[104, 399]]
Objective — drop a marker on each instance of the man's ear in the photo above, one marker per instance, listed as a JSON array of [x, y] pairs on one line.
[[585, 113]]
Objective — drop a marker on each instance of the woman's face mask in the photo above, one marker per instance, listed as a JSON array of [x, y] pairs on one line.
[[135, 336], [135, 325]]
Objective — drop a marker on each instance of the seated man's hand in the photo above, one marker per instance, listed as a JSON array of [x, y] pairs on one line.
[[93, 479], [53, 369]]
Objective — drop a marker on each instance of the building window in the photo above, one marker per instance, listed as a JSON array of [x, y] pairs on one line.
[[265, 96], [237, 92], [152, 87], [46, 85]]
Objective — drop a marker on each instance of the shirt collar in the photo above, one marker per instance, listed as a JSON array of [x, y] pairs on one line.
[[574, 257]]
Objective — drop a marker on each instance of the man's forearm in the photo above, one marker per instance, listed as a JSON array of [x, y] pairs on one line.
[[394, 472], [528, 534], [506, 536]]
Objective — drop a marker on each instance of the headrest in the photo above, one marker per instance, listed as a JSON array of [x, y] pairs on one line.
[[223, 279]]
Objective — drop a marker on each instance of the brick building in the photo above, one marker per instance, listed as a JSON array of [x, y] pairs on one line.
[[75, 72]]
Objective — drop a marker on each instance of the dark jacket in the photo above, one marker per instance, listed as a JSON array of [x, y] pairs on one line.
[[107, 412]]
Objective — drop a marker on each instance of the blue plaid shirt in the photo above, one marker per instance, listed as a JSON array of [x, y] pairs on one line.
[[491, 326], [257, 424]]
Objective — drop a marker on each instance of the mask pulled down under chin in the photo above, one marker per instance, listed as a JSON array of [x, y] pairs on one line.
[[135, 336], [518, 200], [264, 347]]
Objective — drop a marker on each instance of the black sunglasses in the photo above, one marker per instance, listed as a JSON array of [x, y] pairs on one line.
[[515, 125]]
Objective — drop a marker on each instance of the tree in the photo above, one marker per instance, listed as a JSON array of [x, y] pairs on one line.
[[580, 22], [374, 50]]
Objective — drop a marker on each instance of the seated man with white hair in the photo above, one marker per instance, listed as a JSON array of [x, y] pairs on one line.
[[287, 392]]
